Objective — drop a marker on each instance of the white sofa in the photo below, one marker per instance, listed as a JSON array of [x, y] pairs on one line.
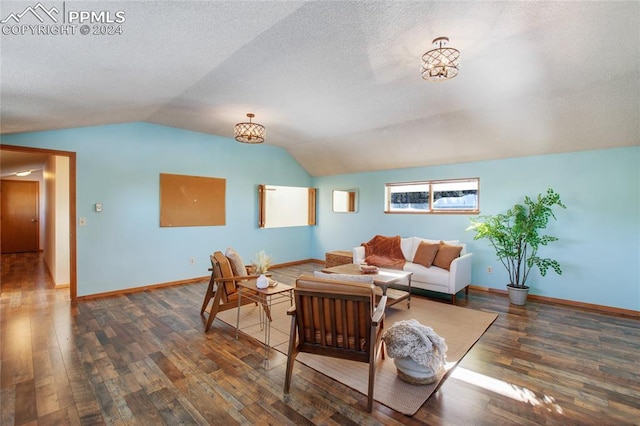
[[457, 278]]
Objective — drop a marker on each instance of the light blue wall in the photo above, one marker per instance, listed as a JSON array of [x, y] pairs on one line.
[[599, 246], [119, 166], [122, 247]]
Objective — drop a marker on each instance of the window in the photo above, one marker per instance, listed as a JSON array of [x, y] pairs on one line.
[[412, 197], [345, 200], [438, 196], [281, 206]]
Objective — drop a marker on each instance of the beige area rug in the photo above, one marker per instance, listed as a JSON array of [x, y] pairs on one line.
[[460, 327]]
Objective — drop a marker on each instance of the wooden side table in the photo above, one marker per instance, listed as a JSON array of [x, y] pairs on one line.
[[338, 257]]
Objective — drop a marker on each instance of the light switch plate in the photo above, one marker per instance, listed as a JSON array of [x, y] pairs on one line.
[[82, 221]]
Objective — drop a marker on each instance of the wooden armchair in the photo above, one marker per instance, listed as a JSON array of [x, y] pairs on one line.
[[222, 288], [338, 319]]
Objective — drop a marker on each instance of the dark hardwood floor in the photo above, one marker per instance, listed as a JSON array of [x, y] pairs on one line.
[[142, 358]]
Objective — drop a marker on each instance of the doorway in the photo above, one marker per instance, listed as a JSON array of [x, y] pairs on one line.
[[70, 223], [19, 213]]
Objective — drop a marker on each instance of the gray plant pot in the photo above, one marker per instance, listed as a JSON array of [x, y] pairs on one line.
[[518, 296]]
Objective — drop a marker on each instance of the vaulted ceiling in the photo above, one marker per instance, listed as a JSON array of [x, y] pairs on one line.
[[337, 84]]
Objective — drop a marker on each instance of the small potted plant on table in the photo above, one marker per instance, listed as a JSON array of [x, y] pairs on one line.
[[516, 237], [261, 264]]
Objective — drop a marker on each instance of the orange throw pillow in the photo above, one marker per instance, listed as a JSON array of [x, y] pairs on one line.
[[446, 254], [426, 253]]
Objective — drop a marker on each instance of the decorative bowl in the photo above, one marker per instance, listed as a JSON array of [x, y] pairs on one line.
[[368, 269]]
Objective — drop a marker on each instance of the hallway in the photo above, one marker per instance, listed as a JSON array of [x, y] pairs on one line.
[[35, 325]]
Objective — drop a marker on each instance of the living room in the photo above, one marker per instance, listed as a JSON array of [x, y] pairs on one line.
[[114, 252], [117, 162], [520, 146]]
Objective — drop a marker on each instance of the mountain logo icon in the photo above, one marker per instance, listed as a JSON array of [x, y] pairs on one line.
[[39, 11]]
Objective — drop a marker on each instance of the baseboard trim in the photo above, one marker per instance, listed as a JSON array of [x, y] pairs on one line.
[[181, 282], [566, 302], [296, 262], [142, 288], [175, 283]]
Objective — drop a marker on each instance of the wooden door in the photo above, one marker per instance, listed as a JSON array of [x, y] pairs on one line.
[[19, 216]]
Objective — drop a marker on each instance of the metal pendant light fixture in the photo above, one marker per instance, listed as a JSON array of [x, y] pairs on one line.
[[249, 132], [441, 63]]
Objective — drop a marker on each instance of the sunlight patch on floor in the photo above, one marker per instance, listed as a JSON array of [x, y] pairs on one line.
[[509, 390]]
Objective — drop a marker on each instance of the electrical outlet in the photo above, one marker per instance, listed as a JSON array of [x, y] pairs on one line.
[[192, 261], [489, 269]]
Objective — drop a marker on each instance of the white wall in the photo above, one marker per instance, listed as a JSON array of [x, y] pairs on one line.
[[56, 248]]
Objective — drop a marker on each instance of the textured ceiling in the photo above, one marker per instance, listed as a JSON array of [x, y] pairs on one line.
[[337, 84]]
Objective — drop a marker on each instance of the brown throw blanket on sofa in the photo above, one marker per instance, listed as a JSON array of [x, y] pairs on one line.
[[384, 252]]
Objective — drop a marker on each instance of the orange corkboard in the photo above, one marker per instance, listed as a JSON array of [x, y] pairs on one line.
[[191, 201]]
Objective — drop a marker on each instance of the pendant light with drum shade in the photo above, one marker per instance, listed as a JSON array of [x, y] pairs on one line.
[[249, 132], [441, 63]]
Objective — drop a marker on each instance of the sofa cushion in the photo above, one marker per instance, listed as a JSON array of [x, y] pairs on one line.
[[446, 254], [417, 241], [434, 275], [425, 254], [406, 245]]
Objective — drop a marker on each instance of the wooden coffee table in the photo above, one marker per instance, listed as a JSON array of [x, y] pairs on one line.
[[383, 279]]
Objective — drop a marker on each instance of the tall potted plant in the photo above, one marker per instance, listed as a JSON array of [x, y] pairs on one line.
[[516, 237]]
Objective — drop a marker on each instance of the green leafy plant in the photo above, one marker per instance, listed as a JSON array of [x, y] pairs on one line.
[[516, 236]]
